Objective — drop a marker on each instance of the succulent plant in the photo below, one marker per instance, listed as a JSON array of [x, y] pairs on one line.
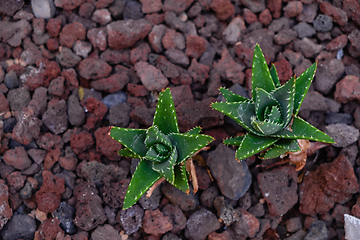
[[161, 148], [270, 117]]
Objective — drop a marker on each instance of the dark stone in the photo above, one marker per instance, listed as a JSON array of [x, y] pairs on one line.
[[323, 23], [130, 219], [20, 226], [317, 231], [65, 214], [333, 118], [201, 223], [132, 10], [233, 178]]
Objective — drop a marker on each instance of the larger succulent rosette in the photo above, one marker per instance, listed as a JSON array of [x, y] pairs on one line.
[[270, 117], [161, 148]]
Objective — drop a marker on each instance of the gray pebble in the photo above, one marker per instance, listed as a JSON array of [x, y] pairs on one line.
[[344, 135], [11, 80], [20, 226], [323, 23], [317, 231], [115, 98]]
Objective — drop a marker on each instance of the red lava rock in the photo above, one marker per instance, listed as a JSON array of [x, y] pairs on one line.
[[348, 89], [106, 145], [151, 6], [27, 127], [194, 113], [68, 4], [336, 14], [284, 70], [155, 18], [52, 44], [275, 7], [101, 16], [4, 104], [49, 141], [57, 87], [89, 210], [53, 27], [279, 188], [329, 183], [181, 93], [137, 90], [228, 69], [176, 215], [195, 46], [103, 3], [86, 9], [337, 43], [113, 193], [69, 161], [265, 17], [114, 83], [223, 9], [293, 8], [198, 72], [249, 16], [48, 70], [355, 210], [154, 222], [150, 76], [173, 39], [49, 229], [155, 37], [169, 69], [91, 68], [51, 158], [219, 236], [352, 7], [248, 225], [80, 142], [125, 33], [16, 181], [5, 210], [55, 118], [112, 56], [176, 6], [97, 110], [49, 195], [71, 33], [140, 53], [338, 213], [71, 78], [97, 37]]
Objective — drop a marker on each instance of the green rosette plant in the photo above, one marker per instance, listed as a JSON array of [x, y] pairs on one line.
[[161, 148], [270, 116]]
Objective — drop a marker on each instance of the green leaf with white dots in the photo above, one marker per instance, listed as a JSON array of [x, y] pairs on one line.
[[232, 97], [133, 139], [253, 144], [125, 152], [290, 145], [195, 130], [181, 179], [143, 178], [166, 168], [303, 130], [275, 76], [302, 85], [188, 144], [236, 141], [165, 116], [240, 112], [273, 152], [260, 75], [264, 101]]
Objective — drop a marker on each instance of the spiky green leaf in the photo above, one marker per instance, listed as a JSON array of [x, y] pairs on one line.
[[264, 101], [143, 178], [285, 97], [232, 97], [253, 144], [154, 136], [273, 152], [290, 145], [266, 127], [181, 179], [275, 76], [302, 85], [236, 141], [165, 116], [166, 168], [125, 152], [188, 144], [260, 75], [195, 130], [303, 130], [239, 111], [133, 139]]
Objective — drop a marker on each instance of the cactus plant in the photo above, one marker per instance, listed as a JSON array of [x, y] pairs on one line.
[[161, 148], [270, 116]]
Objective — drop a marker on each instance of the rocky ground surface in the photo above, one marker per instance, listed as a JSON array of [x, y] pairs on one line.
[[72, 68]]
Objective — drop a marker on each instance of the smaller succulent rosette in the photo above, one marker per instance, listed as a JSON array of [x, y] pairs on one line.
[[161, 148], [270, 117]]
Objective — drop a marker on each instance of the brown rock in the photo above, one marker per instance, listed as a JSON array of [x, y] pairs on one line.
[[71, 33], [336, 14], [248, 225], [284, 70], [151, 6], [348, 89], [154, 222], [106, 145], [114, 83], [265, 17], [293, 8], [17, 158], [94, 68], [68, 4], [53, 27], [49, 229], [177, 6], [223, 9], [125, 33], [176, 215], [150, 76], [5, 210], [195, 46], [96, 110], [80, 142], [198, 72]]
